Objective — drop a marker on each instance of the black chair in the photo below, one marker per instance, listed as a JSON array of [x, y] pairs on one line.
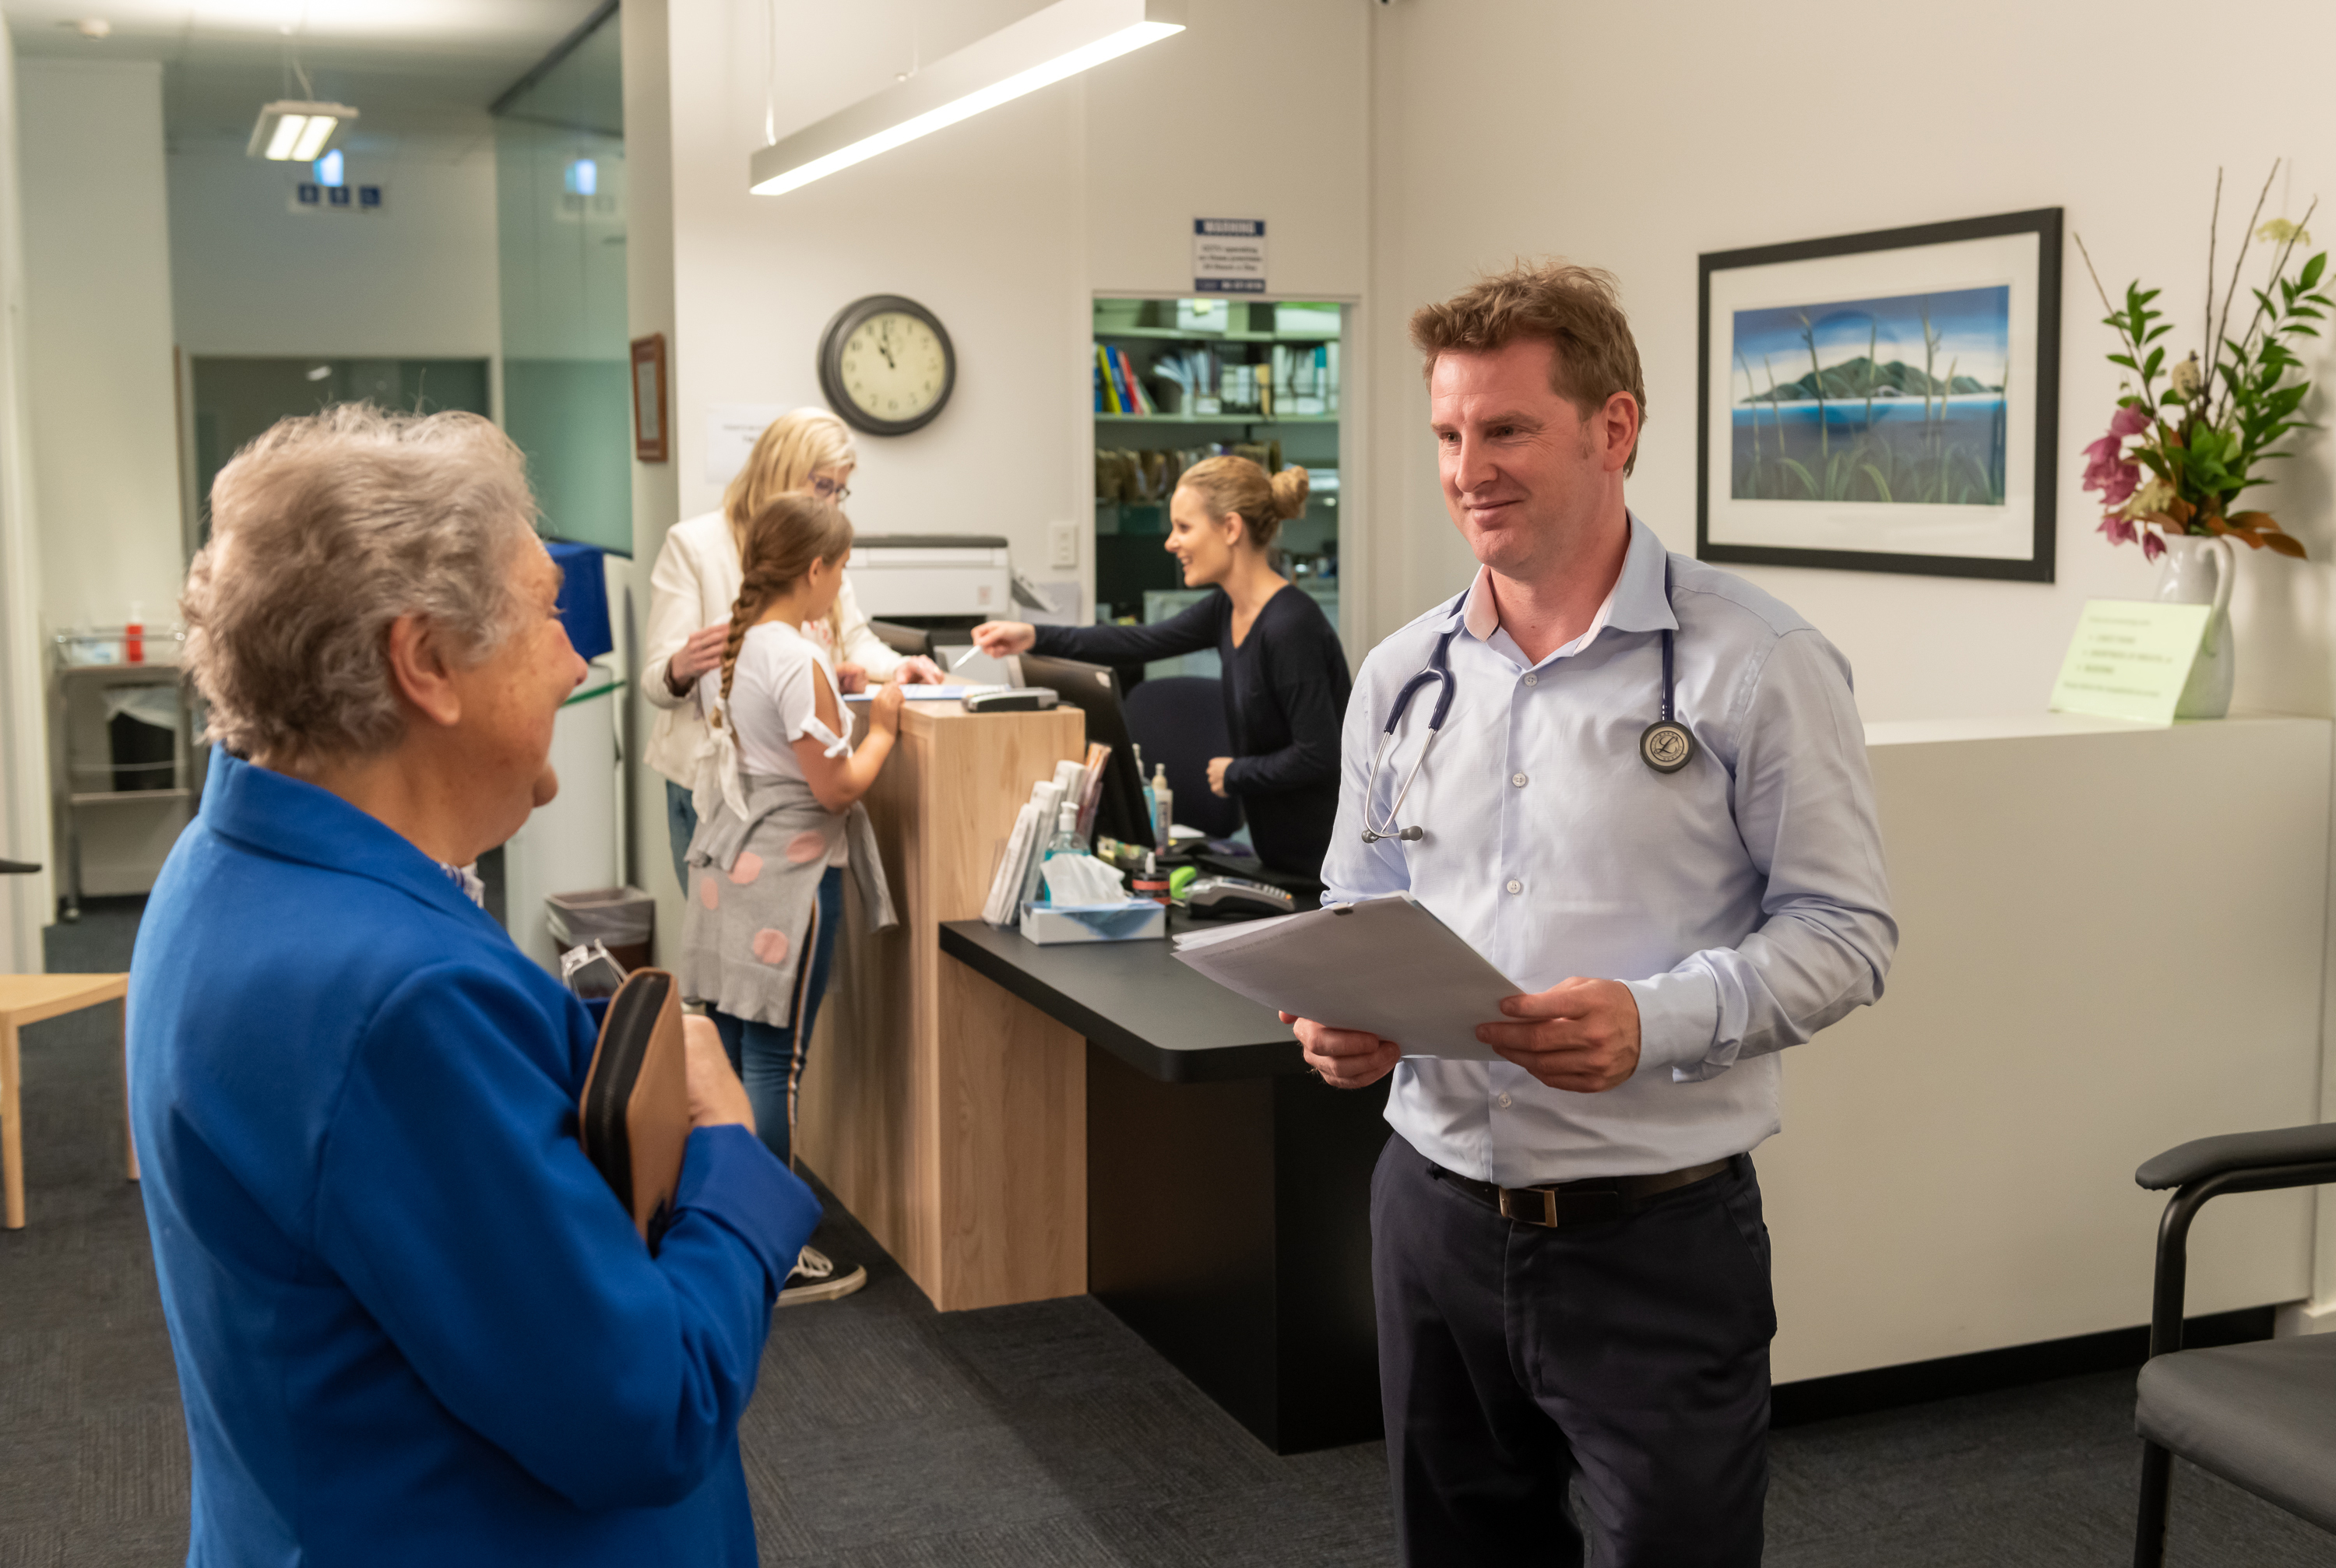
[[1178, 720], [2263, 1416], [905, 640]]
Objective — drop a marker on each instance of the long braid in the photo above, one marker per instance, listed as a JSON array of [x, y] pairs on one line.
[[792, 533], [755, 595]]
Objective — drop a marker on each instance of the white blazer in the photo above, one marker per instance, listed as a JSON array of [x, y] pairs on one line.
[[693, 584]]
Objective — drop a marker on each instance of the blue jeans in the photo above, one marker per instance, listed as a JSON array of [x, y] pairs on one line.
[[769, 1057], [681, 826]]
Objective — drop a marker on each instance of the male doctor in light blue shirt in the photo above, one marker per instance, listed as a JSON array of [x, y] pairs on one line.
[[1569, 1261]]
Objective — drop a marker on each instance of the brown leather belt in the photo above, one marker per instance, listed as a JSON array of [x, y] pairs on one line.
[[1582, 1202]]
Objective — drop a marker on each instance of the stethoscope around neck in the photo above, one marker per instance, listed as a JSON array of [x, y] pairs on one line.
[[1665, 746]]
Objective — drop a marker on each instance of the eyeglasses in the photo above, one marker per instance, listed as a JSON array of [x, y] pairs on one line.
[[829, 490]]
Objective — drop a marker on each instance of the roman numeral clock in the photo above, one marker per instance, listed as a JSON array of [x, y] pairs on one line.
[[886, 364]]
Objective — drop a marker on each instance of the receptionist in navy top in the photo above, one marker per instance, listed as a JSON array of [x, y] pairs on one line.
[[413, 1325], [1285, 673]]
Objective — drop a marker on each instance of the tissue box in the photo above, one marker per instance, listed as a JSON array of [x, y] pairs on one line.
[[1047, 924]]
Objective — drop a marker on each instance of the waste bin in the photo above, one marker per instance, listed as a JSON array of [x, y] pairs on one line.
[[623, 918]]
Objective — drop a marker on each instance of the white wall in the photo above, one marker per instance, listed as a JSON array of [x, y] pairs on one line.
[[24, 901], [415, 280], [657, 491], [97, 259], [1637, 137], [1006, 226]]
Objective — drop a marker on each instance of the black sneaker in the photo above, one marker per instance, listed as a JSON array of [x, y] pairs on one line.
[[817, 1278]]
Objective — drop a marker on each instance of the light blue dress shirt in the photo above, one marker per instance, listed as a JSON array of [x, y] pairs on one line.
[[1743, 899]]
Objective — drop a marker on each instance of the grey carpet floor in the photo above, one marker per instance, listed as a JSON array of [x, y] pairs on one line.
[[887, 1436]]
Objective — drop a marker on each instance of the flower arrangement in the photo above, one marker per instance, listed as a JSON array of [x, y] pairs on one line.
[[2198, 439]]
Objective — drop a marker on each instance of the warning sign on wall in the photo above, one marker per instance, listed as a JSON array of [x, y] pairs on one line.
[[1229, 256]]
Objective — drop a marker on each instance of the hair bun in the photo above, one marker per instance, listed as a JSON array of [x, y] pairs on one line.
[[1291, 487]]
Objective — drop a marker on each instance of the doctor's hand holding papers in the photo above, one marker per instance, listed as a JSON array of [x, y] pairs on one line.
[[1580, 1035]]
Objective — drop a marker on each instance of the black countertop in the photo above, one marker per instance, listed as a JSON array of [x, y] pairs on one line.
[[1136, 1001]]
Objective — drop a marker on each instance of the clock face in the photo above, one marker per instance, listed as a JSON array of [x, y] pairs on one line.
[[886, 364], [892, 367]]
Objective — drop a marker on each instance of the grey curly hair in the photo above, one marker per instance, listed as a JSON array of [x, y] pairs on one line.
[[325, 530]]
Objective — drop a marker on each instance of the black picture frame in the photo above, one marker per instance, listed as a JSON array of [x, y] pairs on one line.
[[2046, 224], [831, 365]]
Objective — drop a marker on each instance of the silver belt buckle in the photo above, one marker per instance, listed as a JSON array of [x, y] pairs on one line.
[[1517, 1203]]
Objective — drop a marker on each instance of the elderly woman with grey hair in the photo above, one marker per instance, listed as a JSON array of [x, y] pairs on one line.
[[413, 1324]]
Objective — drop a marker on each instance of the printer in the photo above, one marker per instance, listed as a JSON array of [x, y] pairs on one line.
[[902, 577]]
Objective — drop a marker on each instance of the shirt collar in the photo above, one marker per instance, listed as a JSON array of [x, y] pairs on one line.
[[295, 820], [1638, 601]]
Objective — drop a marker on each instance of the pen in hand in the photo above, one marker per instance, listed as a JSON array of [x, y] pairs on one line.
[[958, 662]]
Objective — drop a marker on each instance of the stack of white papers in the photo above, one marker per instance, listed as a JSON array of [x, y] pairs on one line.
[[1383, 966]]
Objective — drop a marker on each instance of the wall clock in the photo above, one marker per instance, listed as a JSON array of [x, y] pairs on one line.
[[886, 365]]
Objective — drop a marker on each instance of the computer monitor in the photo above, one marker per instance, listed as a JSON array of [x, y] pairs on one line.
[[1093, 690]]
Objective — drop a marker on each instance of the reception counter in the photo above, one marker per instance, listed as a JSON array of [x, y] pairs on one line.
[[2112, 939]]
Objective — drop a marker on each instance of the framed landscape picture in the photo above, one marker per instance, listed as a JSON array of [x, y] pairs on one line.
[[1883, 402]]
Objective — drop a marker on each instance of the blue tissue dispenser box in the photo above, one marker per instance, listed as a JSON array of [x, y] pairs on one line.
[[1131, 921]]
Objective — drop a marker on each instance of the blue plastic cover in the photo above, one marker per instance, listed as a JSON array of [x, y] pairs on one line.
[[583, 598]]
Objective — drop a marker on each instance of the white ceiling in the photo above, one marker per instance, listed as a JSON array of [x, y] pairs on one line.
[[412, 68]]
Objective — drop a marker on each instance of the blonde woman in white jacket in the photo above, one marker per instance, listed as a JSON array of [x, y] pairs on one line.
[[695, 582]]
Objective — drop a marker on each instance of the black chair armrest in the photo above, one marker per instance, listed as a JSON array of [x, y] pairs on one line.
[[906, 641], [17, 868], [2202, 1157]]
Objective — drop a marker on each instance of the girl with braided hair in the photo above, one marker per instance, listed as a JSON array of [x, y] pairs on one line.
[[779, 820]]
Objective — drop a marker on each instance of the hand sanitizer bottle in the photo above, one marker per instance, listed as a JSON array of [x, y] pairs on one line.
[[1163, 801]]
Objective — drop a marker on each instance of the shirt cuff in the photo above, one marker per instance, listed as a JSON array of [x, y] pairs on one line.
[[660, 695], [727, 1175], [1678, 1015]]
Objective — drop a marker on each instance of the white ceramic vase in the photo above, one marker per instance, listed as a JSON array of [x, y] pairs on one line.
[[2199, 570]]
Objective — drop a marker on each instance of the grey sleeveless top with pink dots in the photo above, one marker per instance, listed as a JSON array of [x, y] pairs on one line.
[[754, 892]]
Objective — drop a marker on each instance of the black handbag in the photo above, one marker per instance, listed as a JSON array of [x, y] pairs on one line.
[[634, 1119]]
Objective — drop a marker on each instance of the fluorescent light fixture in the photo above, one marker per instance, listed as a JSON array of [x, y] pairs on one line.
[[293, 132], [1052, 42]]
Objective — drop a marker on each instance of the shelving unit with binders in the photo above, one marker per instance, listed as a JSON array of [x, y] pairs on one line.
[[1174, 381]]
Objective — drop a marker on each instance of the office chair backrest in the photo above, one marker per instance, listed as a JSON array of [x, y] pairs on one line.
[[1180, 722]]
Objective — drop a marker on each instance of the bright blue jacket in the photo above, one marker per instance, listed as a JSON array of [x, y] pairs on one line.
[[413, 1324]]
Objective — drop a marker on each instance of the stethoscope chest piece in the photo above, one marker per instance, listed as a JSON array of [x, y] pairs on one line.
[[1666, 746]]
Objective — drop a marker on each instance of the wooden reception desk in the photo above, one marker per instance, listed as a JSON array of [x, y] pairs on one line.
[[949, 1116]]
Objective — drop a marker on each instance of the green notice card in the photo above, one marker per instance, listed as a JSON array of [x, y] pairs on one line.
[[2129, 659]]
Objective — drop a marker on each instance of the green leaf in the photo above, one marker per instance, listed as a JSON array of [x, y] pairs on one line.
[[2309, 276], [2150, 367], [2124, 359]]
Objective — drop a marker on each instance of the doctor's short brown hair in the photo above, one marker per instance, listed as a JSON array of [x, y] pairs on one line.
[[1578, 310]]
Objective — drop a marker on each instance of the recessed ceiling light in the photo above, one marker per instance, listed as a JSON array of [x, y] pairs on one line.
[[90, 28], [292, 130]]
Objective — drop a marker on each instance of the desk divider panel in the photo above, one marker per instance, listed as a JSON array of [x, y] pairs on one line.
[[948, 1116]]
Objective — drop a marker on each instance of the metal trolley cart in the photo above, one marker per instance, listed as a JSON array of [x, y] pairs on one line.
[[106, 751]]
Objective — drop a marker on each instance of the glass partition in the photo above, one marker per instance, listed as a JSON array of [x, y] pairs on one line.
[[560, 184]]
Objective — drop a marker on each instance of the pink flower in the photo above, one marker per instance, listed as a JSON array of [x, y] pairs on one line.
[[2119, 531], [2131, 420], [2107, 472], [2152, 545]]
